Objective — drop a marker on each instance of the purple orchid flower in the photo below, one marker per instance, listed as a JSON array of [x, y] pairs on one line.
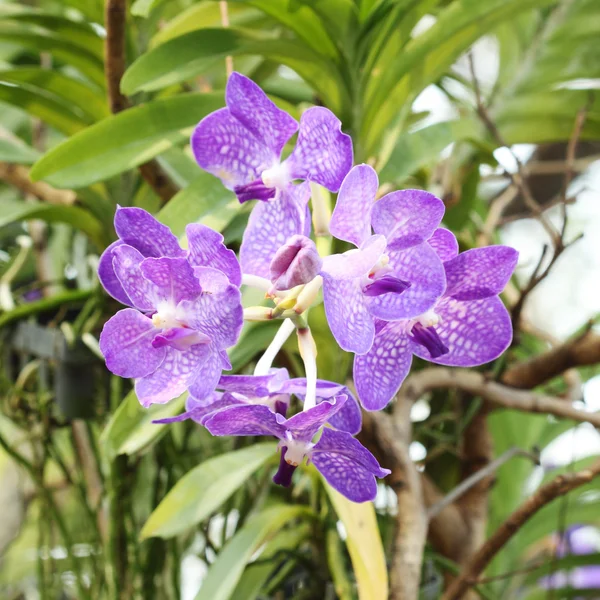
[[393, 274], [175, 337], [242, 144], [467, 326], [345, 464], [297, 262], [138, 229], [273, 390]]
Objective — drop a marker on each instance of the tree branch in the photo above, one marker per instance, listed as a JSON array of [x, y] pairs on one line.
[[115, 13], [581, 351], [389, 439], [18, 176], [495, 393], [559, 486]]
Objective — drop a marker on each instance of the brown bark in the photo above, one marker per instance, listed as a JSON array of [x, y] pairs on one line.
[[18, 176]]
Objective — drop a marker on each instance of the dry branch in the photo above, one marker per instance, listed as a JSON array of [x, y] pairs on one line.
[[18, 176], [496, 394], [559, 486], [115, 13]]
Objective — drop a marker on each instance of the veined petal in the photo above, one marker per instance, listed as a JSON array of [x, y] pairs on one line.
[[407, 217], [323, 153], [347, 314], [173, 377], [270, 225], [256, 386], [173, 277], [480, 272], [379, 373], [107, 276], [126, 343], [127, 265], [206, 249], [251, 106], [421, 267], [139, 229], [305, 424], [208, 376], [340, 442], [180, 338], [351, 218], [217, 311], [199, 413], [251, 419], [225, 147], [444, 243], [357, 262], [475, 331]]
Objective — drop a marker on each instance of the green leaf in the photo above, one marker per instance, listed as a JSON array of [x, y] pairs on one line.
[[124, 141], [13, 211], [16, 151], [224, 574], [130, 428], [364, 545], [255, 576], [202, 490], [423, 147], [191, 54], [78, 97], [205, 200]]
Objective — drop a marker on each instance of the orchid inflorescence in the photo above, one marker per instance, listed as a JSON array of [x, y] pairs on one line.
[[403, 289]]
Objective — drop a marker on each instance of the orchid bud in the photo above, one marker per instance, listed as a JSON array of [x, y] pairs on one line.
[[295, 263]]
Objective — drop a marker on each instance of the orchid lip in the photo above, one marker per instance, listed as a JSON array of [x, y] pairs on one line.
[[429, 338], [285, 472], [388, 284], [255, 190]]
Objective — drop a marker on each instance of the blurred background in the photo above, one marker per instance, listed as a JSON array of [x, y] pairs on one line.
[[493, 105]]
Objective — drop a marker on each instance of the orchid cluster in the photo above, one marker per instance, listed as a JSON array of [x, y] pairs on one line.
[[402, 289]]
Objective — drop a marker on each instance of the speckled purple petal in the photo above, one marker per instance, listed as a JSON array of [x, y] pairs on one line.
[[127, 263], [340, 472], [475, 331], [174, 277], [248, 385], [480, 273], [252, 419], [356, 262], [203, 409], [217, 311], [407, 217], [270, 225], [223, 146], [208, 376], [349, 417], [251, 106], [349, 319], [107, 276], [305, 424], [444, 243], [126, 343], [138, 228], [351, 218], [173, 377], [420, 266], [323, 153], [206, 249], [340, 442], [379, 373]]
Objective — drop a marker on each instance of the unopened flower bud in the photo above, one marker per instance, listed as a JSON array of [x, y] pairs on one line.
[[258, 313], [295, 263]]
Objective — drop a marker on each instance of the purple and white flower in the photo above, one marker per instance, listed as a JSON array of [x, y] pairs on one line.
[[344, 463], [297, 262], [138, 229], [273, 390], [466, 327], [393, 273], [175, 337], [242, 145]]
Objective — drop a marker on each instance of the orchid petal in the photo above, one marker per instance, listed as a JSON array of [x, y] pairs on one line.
[[251, 419], [305, 424], [357, 262], [444, 243], [127, 263], [107, 276], [126, 343], [351, 218]]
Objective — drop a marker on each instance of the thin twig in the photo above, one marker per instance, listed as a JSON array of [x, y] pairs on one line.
[[18, 176], [225, 24], [115, 13], [559, 486], [471, 481]]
